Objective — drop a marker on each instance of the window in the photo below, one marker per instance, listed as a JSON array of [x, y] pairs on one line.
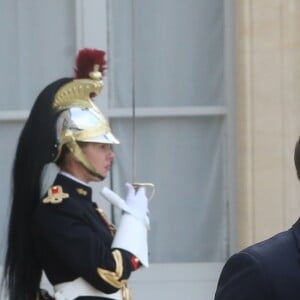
[[171, 59]]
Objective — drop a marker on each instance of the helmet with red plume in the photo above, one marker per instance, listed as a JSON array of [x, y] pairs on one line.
[[63, 114]]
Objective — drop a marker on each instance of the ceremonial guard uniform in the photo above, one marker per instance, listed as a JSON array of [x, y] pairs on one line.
[[55, 226]]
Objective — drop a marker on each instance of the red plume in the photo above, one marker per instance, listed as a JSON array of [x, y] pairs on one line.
[[87, 59]]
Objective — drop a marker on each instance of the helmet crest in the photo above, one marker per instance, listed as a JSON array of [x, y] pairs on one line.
[[90, 64]]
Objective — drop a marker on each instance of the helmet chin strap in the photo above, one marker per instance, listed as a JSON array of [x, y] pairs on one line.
[[93, 173], [82, 159]]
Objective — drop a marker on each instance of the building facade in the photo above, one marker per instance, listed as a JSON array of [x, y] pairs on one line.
[[204, 98]]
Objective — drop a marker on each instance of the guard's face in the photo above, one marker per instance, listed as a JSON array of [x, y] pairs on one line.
[[100, 157]]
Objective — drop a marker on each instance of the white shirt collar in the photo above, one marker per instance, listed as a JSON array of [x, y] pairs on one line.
[[73, 178]]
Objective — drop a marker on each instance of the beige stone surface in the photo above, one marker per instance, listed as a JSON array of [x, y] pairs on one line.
[[268, 116]]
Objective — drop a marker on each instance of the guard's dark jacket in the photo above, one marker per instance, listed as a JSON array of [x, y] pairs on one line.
[[73, 240], [269, 270]]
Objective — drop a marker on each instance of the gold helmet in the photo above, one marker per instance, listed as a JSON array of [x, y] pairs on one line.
[[79, 119]]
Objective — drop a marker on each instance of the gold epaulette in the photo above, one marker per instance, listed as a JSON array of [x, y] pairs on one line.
[[55, 195]]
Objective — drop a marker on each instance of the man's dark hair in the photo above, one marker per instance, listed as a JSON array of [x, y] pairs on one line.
[[297, 158]]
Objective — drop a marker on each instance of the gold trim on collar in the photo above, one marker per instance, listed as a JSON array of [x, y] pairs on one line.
[[81, 191]]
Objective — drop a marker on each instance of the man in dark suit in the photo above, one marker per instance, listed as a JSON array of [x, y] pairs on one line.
[[269, 270]]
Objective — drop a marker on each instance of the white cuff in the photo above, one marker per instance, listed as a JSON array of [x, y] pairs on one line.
[[132, 237]]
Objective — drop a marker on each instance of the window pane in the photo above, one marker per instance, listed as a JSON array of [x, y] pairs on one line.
[[184, 158], [39, 47], [178, 47]]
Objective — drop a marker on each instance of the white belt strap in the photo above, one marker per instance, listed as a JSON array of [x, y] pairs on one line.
[[79, 287]]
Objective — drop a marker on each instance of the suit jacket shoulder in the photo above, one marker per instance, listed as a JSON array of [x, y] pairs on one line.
[[266, 270]]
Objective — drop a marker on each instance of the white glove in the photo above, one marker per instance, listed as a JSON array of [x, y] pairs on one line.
[[137, 202]]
